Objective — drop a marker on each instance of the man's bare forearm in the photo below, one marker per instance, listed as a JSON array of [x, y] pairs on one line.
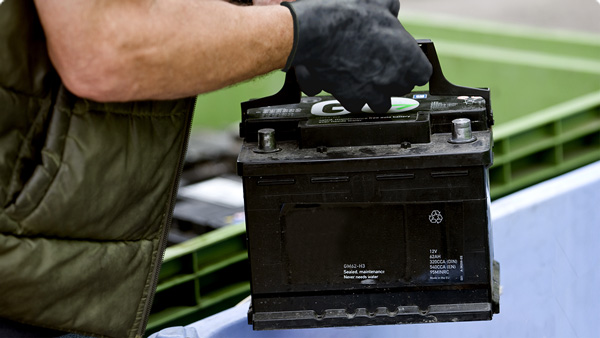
[[141, 49]]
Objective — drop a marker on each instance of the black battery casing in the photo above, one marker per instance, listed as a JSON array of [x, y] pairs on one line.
[[365, 219]]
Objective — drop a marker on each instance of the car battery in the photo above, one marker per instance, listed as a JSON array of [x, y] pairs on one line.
[[366, 219]]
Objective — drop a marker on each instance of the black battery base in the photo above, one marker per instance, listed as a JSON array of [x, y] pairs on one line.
[[452, 308]]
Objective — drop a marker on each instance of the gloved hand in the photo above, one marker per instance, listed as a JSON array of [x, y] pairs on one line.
[[357, 50]]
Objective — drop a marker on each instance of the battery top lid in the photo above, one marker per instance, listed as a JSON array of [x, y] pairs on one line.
[[323, 121]]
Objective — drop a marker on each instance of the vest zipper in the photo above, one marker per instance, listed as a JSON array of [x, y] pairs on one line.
[[164, 238]]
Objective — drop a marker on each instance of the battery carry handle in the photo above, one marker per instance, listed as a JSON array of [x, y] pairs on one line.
[[439, 85], [290, 93]]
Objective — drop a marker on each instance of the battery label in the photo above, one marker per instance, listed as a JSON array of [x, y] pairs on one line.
[[443, 268], [410, 243], [362, 273], [361, 118], [437, 235], [334, 108]]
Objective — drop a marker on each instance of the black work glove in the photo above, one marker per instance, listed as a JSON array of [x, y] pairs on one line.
[[357, 50]]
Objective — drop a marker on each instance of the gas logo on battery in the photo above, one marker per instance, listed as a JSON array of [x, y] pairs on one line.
[[334, 108]]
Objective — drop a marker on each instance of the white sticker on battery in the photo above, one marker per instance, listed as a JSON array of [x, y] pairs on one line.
[[334, 108], [399, 104], [328, 108]]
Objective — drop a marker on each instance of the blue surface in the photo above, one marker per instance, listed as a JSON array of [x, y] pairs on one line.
[[547, 240]]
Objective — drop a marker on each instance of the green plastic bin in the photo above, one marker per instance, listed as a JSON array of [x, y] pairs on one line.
[[545, 88], [201, 277]]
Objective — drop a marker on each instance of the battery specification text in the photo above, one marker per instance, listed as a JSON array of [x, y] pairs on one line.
[[360, 272], [443, 268]]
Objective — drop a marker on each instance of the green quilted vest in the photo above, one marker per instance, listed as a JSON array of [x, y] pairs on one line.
[[86, 193]]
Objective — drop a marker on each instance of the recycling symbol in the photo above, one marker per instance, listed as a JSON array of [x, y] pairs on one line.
[[436, 217]]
